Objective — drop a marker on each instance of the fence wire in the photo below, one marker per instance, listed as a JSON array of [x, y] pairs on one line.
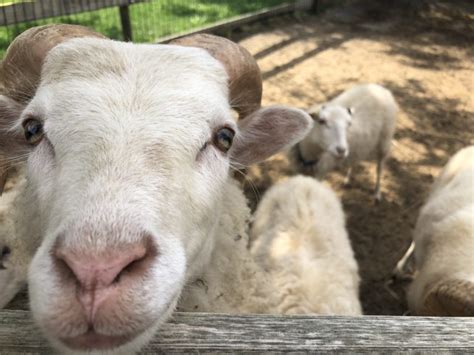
[[149, 20]]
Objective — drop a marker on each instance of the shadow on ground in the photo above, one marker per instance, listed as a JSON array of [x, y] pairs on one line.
[[426, 64]]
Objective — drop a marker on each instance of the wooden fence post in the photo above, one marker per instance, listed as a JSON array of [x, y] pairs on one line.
[[126, 23], [315, 7]]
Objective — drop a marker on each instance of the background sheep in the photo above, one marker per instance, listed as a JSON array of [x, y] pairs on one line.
[[12, 272], [355, 126], [444, 243], [299, 236], [18, 241]]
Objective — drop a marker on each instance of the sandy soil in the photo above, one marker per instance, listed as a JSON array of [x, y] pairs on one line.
[[427, 64]]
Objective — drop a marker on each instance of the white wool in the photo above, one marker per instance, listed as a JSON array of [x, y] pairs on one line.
[[361, 121], [444, 240], [232, 282], [15, 265], [299, 236]]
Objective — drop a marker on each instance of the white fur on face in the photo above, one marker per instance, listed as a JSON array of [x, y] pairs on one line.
[[330, 130], [125, 155]]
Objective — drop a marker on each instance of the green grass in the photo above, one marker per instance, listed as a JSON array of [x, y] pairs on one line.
[[150, 20], [9, 2]]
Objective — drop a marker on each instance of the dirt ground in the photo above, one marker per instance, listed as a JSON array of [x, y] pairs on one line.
[[428, 65]]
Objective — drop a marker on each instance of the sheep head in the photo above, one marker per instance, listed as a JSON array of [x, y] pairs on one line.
[[330, 129], [129, 149]]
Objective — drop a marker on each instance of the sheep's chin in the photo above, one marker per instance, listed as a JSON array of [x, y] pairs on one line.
[[131, 347]]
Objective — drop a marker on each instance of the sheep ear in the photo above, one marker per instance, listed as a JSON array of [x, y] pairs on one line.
[[12, 144], [314, 111], [267, 131]]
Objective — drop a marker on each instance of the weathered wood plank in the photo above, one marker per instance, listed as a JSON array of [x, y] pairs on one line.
[[40, 9], [201, 332]]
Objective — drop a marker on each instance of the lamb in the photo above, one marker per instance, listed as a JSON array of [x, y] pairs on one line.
[[129, 150], [357, 125], [299, 234], [444, 242]]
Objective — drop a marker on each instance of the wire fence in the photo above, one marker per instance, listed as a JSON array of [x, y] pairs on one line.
[[147, 20]]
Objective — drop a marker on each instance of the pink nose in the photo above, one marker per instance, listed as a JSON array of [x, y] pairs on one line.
[[99, 276], [341, 151]]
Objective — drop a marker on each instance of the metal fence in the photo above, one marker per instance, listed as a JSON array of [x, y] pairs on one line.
[[140, 20]]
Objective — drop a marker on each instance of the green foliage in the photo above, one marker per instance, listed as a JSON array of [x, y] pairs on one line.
[[150, 20]]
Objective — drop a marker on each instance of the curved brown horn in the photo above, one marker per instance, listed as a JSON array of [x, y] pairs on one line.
[[20, 69], [245, 80], [20, 73]]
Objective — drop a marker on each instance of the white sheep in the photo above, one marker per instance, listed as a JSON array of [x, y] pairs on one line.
[[129, 152], [357, 125], [299, 236], [13, 269], [301, 260], [444, 243], [18, 242]]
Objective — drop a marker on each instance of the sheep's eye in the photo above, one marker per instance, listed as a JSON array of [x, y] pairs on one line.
[[322, 121], [33, 131], [223, 138]]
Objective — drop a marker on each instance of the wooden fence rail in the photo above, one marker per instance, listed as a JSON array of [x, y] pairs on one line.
[[34, 10], [42, 9], [201, 332]]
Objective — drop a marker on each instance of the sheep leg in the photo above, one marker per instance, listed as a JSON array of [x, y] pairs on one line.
[[347, 179], [378, 194], [3, 179], [325, 164], [400, 271]]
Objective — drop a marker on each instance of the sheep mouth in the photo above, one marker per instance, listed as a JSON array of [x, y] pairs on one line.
[[95, 341]]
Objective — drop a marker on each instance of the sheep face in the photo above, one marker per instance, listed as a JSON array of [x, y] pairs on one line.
[[130, 149], [330, 129]]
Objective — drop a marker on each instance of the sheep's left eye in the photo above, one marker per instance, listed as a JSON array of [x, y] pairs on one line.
[[223, 139]]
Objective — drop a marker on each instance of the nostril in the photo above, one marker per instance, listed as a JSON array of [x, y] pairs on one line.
[[63, 268], [127, 269], [340, 150], [139, 265]]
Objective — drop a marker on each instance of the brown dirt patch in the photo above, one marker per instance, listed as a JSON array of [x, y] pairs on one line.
[[427, 65]]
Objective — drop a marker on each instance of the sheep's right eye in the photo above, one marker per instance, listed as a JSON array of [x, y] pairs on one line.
[[33, 131], [322, 121]]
